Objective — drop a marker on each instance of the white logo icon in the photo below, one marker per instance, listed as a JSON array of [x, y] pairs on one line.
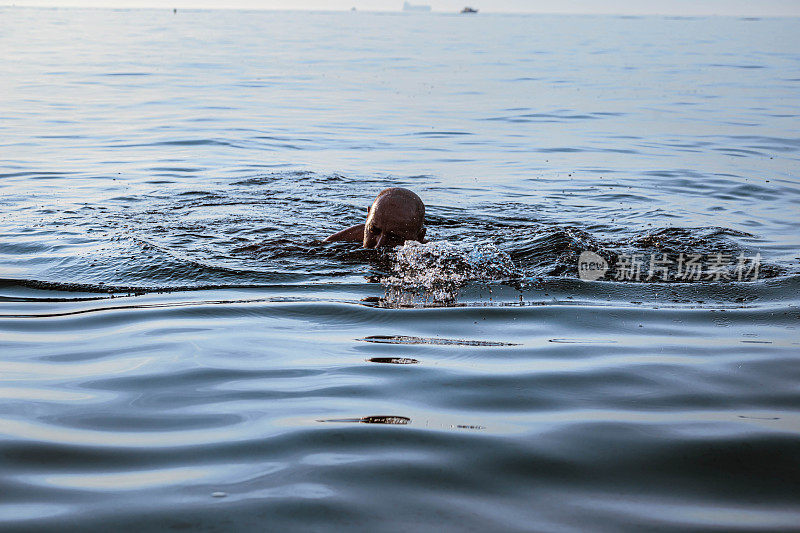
[[591, 266]]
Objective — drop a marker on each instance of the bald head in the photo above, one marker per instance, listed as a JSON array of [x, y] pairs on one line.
[[397, 215]]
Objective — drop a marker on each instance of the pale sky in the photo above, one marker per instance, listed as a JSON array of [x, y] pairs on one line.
[[765, 8]]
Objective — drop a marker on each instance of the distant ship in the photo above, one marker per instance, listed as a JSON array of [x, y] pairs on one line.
[[415, 7], [469, 10]]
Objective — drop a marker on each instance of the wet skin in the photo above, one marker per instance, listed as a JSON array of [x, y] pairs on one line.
[[397, 215]]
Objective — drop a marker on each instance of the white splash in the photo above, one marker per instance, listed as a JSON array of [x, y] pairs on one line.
[[436, 270]]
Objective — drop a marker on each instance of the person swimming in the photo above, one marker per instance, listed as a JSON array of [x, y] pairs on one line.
[[397, 215]]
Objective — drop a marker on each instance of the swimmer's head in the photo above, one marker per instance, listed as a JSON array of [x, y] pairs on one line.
[[397, 215]]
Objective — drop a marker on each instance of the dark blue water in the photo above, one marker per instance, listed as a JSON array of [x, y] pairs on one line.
[[179, 350]]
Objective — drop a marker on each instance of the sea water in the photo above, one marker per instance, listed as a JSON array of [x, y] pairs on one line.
[[179, 350]]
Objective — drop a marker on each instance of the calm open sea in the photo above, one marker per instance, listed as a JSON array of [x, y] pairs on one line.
[[178, 350]]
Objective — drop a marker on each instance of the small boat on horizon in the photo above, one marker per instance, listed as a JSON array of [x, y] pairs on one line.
[[468, 10]]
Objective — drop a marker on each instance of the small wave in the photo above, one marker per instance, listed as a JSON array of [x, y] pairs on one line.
[[732, 65], [102, 291], [554, 251], [404, 339], [176, 169], [393, 360], [379, 419], [557, 116], [126, 74], [35, 174], [177, 142], [437, 134]]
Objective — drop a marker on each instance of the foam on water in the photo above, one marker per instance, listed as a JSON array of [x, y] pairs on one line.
[[433, 272]]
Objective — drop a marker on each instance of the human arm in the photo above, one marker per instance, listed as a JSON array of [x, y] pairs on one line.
[[351, 234]]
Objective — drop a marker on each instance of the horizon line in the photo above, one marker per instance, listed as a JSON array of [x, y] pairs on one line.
[[401, 11]]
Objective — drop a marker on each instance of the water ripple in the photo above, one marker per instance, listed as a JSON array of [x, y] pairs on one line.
[[179, 350]]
